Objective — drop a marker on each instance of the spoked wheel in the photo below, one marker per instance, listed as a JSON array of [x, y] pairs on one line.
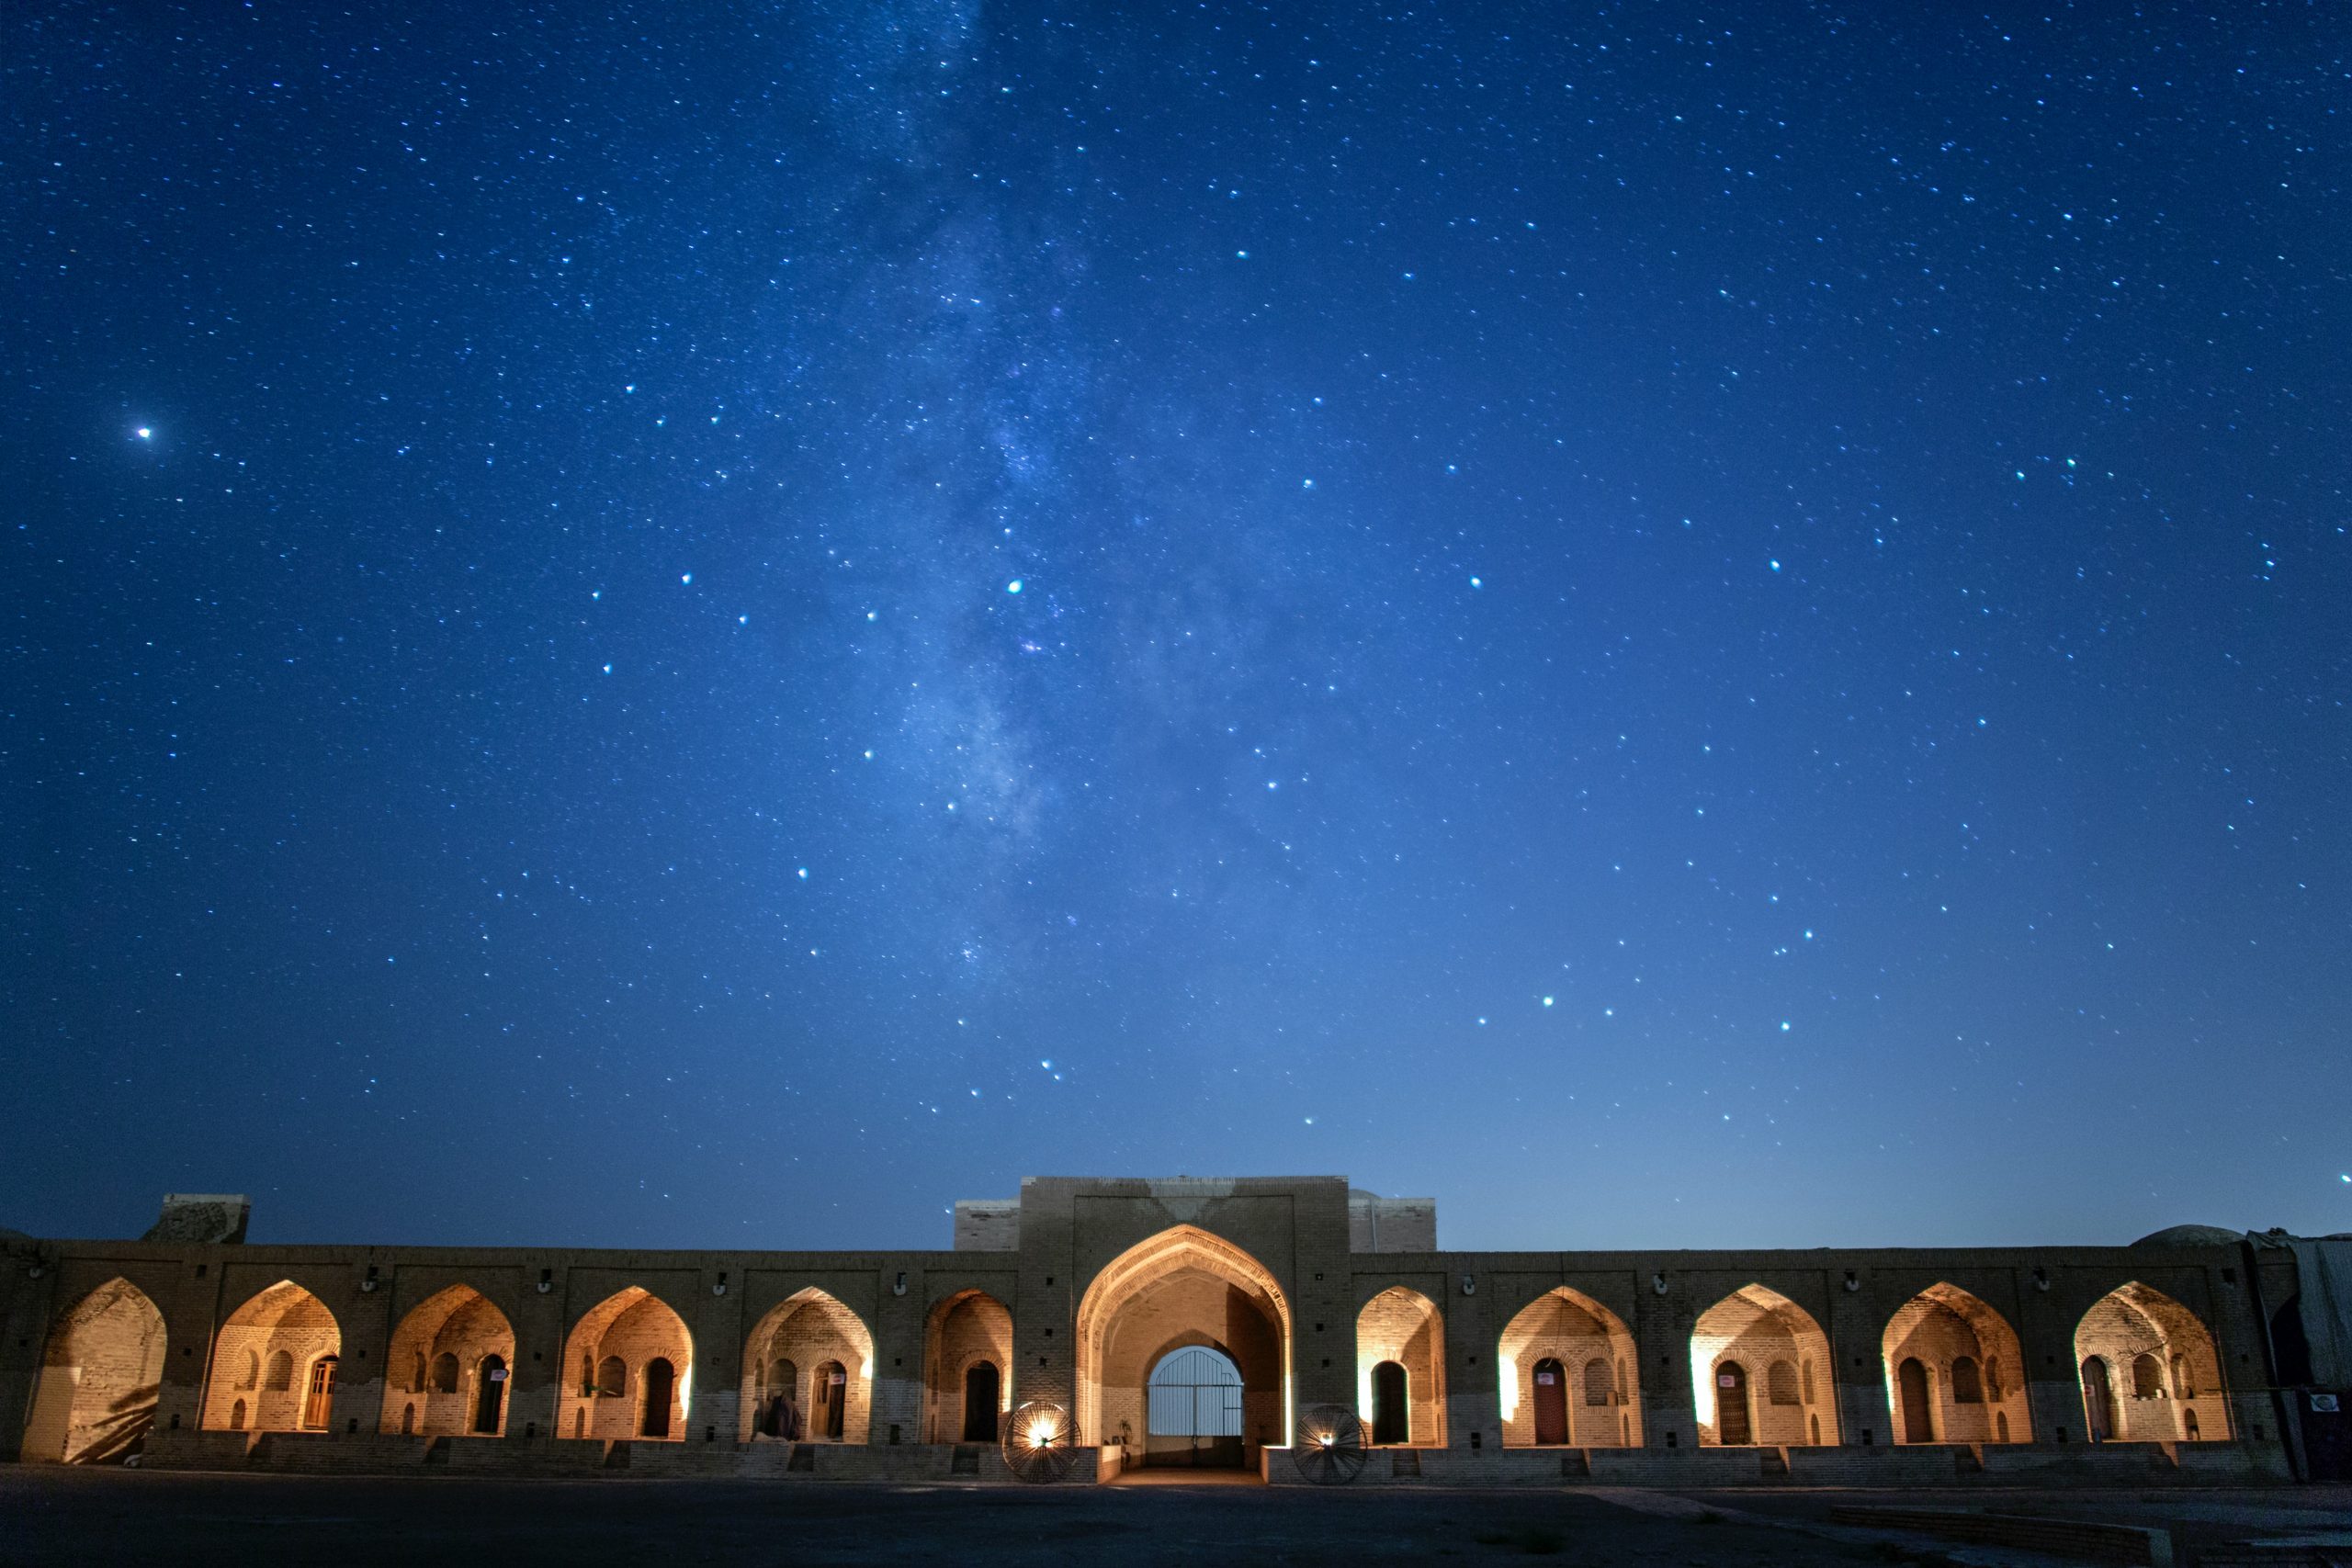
[[1040, 1443], [1329, 1451]]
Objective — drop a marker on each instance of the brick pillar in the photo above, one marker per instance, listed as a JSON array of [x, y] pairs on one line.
[[1661, 1328], [1474, 1331], [540, 1370], [28, 1303], [2045, 1328], [714, 1407], [1857, 1331], [900, 1356]]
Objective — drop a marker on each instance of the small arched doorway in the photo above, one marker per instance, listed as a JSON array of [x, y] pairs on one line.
[[1918, 1409], [830, 1395], [981, 1382], [1732, 1425], [1391, 1405], [2098, 1399], [661, 1376], [490, 1398], [1551, 1402], [1192, 1409]]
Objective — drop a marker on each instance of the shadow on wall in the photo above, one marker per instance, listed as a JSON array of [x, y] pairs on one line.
[[100, 1379]]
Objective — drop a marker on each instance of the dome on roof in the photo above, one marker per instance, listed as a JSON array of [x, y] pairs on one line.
[[2191, 1236]]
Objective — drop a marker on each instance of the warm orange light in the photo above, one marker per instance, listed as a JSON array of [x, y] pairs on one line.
[[1327, 1439], [1041, 1434]]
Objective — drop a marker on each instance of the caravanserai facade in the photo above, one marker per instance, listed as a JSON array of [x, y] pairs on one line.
[[1187, 1321]]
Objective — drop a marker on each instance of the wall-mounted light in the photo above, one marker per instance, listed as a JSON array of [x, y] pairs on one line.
[[1657, 1283], [1852, 1283], [1469, 1284], [370, 1282], [547, 1281], [898, 1286], [2041, 1279], [720, 1287]]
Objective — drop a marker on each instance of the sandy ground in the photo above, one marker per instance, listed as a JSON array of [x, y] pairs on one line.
[[50, 1516]]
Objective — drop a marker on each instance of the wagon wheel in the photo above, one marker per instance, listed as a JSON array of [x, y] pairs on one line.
[[1330, 1450], [1040, 1443]]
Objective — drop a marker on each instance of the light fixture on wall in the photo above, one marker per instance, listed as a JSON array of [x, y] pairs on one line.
[[2041, 1279], [547, 1281], [899, 1288], [1469, 1284], [370, 1282], [1852, 1283], [720, 1287], [1657, 1283]]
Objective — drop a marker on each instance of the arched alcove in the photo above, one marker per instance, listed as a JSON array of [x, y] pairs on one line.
[[450, 1343], [1551, 1393], [1969, 1370], [101, 1373], [619, 1342], [287, 1335], [964, 1332], [1183, 1287], [2158, 1363], [1736, 1347], [1403, 1328], [788, 1361]]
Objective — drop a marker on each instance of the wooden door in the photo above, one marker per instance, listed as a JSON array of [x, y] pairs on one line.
[[1732, 1427], [2098, 1400], [1918, 1410], [1551, 1402], [318, 1405]]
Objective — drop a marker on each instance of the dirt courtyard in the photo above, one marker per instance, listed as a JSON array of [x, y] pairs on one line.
[[56, 1515]]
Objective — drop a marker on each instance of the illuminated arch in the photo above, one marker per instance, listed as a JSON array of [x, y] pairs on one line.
[[450, 1343], [639, 1329], [1971, 1378], [2177, 1396], [961, 1333], [284, 1326], [1403, 1326], [1184, 1266], [101, 1376], [1557, 1337], [1738, 1339], [797, 1339]]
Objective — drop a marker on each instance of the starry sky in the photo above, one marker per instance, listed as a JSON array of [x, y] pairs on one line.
[[717, 625]]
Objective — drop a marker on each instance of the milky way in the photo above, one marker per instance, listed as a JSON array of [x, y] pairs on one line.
[[717, 625]]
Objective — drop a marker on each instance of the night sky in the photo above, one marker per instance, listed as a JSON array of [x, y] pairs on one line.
[[706, 625]]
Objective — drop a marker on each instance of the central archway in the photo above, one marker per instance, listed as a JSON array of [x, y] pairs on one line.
[[1183, 1287]]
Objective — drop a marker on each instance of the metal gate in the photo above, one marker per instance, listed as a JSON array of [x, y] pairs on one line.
[[1192, 1412]]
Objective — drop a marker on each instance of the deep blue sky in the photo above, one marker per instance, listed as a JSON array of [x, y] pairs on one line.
[[1677, 625]]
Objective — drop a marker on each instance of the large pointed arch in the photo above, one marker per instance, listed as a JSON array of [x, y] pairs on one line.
[[1955, 1372], [1761, 1372], [1215, 1294], [789, 1360], [1401, 1329], [628, 1368], [447, 1353], [274, 1364], [2162, 1370], [101, 1374], [968, 1360], [1567, 1372]]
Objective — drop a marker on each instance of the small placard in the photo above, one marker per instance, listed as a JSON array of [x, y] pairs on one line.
[[498, 1374], [2326, 1403], [1545, 1379], [1725, 1380]]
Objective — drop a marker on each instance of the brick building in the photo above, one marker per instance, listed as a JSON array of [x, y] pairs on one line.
[[1183, 1320]]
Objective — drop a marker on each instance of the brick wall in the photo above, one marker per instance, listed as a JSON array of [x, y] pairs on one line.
[[460, 1324], [966, 1329], [284, 1327], [810, 1330], [1938, 1328], [636, 1329], [1760, 1329], [100, 1376], [1404, 1326], [1571, 1329], [2137, 1320]]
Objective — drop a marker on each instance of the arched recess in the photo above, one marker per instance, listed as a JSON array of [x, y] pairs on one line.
[[276, 1355], [634, 1328], [101, 1373], [2180, 1385], [1972, 1373], [444, 1352], [788, 1350], [1759, 1373], [1403, 1326], [1183, 1287], [964, 1331], [1558, 1335]]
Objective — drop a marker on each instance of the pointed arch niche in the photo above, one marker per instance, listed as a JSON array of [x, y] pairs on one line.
[[446, 1377], [274, 1364], [1569, 1374], [101, 1373], [967, 1368], [789, 1361], [2162, 1373], [1760, 1373], [1402, 1329], [1183, 1287], [627, 1367], [1955, 1372]]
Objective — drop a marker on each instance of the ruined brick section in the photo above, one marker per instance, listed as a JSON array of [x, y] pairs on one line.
[[1571, 1339], [100, 1376], [988, 1224], [441, 1379], [1761, 1369], [815, 1350], [1902, 1366], [627, 1366]]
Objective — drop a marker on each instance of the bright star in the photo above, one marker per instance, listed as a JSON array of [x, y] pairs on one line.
[[145, 433], [1013, 586]]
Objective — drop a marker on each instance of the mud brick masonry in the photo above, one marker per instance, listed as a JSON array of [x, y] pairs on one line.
[[1183, 1321]]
